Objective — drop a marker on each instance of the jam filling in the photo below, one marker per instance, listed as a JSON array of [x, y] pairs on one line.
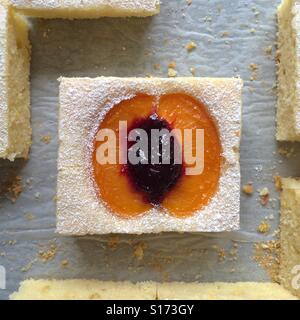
[[158, 172]]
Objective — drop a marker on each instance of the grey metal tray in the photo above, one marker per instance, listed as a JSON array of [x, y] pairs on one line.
[[230, 35]]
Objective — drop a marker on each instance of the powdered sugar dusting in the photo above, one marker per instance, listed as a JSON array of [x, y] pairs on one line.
[[3, 87], [84, 102], [99, 7]]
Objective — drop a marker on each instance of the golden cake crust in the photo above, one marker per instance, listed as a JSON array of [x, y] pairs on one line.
[[84, 290], [290, 235], [15, 130], [288, 105], [222, 291], [87, 9], [99, 290]]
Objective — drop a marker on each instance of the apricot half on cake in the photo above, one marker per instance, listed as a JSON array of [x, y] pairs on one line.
[[148, 155], [133, 188]]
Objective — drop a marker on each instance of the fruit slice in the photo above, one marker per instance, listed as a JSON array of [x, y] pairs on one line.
[[130, 191], [192, 192], [114, 186]]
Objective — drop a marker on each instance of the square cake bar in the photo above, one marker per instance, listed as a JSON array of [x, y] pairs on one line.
[[15, 131], [88, 9], [288, 106], [85, 101], [290, 235]]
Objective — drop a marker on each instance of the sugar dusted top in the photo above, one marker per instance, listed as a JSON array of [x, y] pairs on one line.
[[84, 102]]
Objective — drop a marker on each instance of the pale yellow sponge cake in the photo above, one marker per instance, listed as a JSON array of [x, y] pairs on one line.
[[88, 9], [98, 290], [15, 130], [290, 235], [288, 107], [223, 291], [84, 290]]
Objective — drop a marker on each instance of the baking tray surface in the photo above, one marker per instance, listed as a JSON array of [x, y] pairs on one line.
[[234, 38]]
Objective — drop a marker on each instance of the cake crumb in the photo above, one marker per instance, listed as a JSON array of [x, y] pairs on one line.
[[286, 152], [267, 256], [29, 216], [172, 73], [269, 51], [225, 34], [248, 188], [46, 139], [254, 68], [113, 242], [221, 254], [28, 266], [139, 251], [49, 254], [264, 195], [11, 242], [64, 263], [264, 192], [264, 227], [189, 2], [191, 46], [172, 65], [15, 189], [278, 183]]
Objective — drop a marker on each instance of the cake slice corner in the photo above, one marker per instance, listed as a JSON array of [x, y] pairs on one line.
[[15, 129]]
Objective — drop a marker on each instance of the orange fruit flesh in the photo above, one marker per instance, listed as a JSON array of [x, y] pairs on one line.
[[191, 193], [114, 186]]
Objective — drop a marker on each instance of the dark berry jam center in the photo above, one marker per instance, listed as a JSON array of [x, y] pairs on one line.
[[160, 165]]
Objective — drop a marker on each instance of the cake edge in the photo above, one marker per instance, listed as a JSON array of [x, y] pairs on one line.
[[93, 289], [89, 12], [290, 237], [15, 136], [288, 102]]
